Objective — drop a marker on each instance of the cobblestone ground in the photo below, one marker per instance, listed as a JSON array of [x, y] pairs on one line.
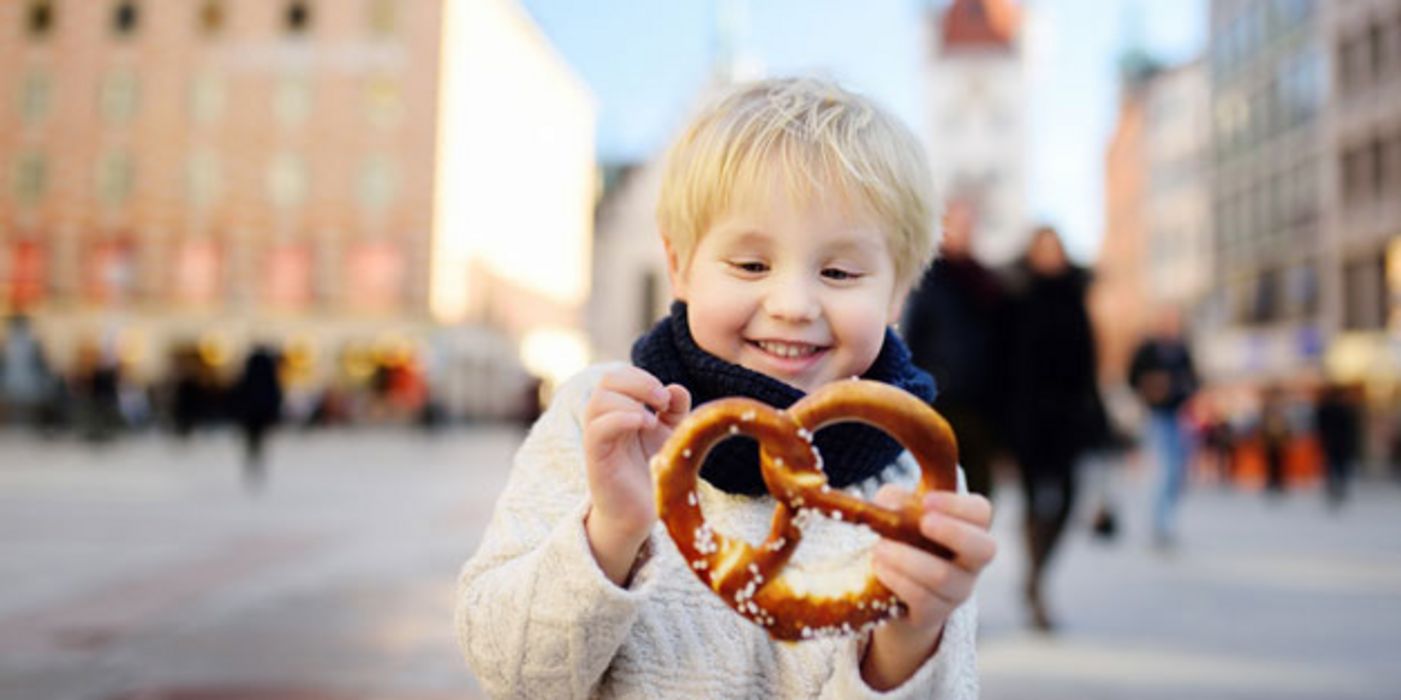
[[144, 569]]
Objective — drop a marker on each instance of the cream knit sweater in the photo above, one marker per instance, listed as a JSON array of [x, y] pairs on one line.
[[537, 618]]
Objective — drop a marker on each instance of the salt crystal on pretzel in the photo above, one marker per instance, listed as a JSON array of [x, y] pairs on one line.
[[816, 601]]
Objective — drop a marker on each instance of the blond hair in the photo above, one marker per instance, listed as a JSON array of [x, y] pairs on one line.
[[818, 140]]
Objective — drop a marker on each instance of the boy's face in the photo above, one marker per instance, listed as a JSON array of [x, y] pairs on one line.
[[801, 293]]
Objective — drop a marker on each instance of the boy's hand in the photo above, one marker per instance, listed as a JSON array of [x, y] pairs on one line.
[[930, 587], [628, 417]]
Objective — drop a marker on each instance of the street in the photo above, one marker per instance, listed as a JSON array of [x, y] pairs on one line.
[[143, 569]]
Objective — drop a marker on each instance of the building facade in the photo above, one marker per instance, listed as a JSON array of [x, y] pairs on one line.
[[292, 171], [1266, 318], [976, 137], [1363, 187], [1118, 298]]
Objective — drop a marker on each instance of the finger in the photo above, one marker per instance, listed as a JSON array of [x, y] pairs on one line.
[[971, 507], [605, 431], [891, 496], [638, 384], [678, 405], [973, 546], [938, 581], [921, 600], [603, 402]]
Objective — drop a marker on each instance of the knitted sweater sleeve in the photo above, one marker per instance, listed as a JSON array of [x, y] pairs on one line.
[[535, 615]]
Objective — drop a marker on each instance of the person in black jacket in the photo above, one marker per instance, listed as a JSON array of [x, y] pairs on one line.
[[257, 407], [1054, 412], [1162, 374], [954, 324], [1336, 417]]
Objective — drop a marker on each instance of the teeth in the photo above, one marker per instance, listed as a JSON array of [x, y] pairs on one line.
[[787, 349]]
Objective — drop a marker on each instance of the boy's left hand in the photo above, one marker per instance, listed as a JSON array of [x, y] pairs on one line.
[[931, 588]]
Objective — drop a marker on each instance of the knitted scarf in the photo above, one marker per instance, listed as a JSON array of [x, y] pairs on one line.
[[851, 452]]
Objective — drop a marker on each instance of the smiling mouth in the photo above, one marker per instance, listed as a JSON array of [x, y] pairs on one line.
[[787, 350]]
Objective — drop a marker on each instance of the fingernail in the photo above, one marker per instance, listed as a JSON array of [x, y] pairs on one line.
[[661, 396]]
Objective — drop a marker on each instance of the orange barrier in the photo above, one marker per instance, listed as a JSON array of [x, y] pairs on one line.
[[1303, 462]]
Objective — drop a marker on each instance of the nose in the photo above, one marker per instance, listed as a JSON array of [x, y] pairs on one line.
[[792, 298]]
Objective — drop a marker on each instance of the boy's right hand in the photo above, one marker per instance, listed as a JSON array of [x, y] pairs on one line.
[[628, 417]]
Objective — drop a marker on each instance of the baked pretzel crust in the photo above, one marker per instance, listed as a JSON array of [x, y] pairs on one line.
[[750, 579]]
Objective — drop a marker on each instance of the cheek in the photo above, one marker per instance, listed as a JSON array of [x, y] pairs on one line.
[[716, 320], [861, 326]]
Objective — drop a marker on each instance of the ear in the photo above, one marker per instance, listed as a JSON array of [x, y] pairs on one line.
[[673, 270]]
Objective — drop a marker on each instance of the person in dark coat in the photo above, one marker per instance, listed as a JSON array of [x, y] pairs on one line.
[[257, 407], [953, 324], [1054, 411], [1338, 423], [1163, 375]]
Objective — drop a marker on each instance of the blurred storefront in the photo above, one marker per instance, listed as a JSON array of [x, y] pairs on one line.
[[323, 176], [1306, 137]]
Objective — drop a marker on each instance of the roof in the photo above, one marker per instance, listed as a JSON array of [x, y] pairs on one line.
[[980, 24]]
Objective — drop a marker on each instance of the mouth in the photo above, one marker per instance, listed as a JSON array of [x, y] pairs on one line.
[[786, 350]]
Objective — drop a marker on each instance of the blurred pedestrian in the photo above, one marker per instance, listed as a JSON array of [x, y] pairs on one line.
[[1336, 417], [257, 407], [25, 384], [96, 378], [954, 321], [1275, 434], [1162, 373], [1055, 413]]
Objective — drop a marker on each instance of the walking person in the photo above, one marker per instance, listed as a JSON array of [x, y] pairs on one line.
[[1162, 374], [954, 323], [257, 407], [1336, 418], [1054, 413]]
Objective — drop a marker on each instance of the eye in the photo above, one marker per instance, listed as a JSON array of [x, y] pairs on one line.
[[749, 267], [840, 275]]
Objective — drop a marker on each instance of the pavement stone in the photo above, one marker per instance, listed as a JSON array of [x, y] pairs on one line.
[[143, 569]]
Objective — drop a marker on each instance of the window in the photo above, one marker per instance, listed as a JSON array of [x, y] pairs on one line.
[[1301, 295], [211, 17], [206, 98], [35, 96], [1376, 45], [1351, 173], [292, 102], [287, 180], [383, 17], [202, 180], [383, 104], [124, 18], [30, 178], [378, 183], [39, 20], [297, 18], [1364, 294], [1265, 304], [1378, 175], [118, 96], [115, 176]]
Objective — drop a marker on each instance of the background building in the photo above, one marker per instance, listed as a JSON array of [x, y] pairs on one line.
[[309, 173], [976, 91], [1156, 250], [1268, 81]]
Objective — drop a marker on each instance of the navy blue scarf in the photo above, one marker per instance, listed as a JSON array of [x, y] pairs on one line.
[[851, 452]]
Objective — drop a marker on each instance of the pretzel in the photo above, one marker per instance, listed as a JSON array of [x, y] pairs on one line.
[[753, 580]]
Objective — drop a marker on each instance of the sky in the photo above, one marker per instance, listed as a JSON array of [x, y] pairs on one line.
[[646, 61]]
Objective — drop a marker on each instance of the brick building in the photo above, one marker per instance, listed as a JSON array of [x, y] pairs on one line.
[[285, 170]]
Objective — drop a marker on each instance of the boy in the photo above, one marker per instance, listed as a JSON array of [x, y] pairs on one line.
[[795, 216]]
